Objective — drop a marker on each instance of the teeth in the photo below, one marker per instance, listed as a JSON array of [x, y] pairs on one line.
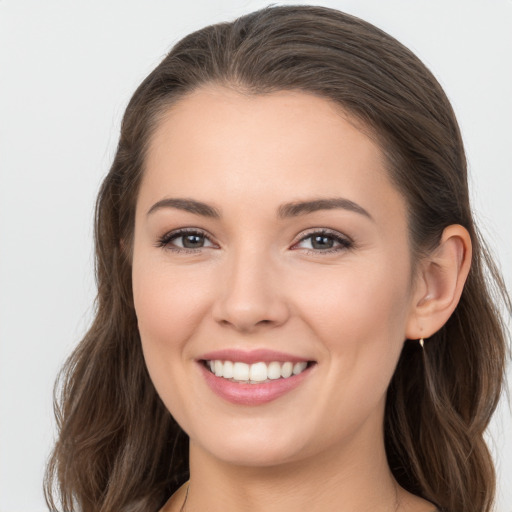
[[227, 370], [299, 367], [240, 371], [286, 370], [274, 370], [257, 372]]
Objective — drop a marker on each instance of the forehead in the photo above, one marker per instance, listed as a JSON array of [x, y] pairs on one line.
[[218, 145]]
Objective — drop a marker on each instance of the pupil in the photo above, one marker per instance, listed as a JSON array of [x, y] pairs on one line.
[[192, 241], [322, 242]]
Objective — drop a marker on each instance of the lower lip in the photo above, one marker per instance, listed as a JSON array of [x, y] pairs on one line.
[[252, 394]]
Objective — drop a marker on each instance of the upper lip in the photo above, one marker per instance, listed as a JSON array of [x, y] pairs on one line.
[[251, 356]]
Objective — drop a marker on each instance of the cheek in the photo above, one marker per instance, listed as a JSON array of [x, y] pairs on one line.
[[361, 318], [361, 323], [167, 301], [169, 305], [355, 301]]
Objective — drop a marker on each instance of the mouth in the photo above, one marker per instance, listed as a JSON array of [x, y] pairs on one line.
[[256, 373], [255, 377]]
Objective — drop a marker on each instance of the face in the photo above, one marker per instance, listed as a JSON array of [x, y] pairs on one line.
[[270, 241]]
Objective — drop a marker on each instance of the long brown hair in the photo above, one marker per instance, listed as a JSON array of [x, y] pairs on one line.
[[118, 447]]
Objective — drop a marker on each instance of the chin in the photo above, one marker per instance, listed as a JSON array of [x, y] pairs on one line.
[[257, 448]]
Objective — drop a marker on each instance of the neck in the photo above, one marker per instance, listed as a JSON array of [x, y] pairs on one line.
[[355, 479]]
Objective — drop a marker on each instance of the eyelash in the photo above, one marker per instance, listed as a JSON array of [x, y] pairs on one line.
[[165, 241], [343, 241]]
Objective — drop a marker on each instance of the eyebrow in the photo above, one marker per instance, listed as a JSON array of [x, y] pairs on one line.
[[188, 205], [285, 211], [304, 207]]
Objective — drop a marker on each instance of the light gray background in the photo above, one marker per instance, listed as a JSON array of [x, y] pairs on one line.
[[67, 70]]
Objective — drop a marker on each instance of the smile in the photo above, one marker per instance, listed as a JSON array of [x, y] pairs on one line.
[[256, 373], [256, 377]]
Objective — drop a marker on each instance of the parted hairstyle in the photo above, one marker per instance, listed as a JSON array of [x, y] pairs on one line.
[[118, 448]]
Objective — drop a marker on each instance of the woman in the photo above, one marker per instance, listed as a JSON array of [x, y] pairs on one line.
[[292, 307]]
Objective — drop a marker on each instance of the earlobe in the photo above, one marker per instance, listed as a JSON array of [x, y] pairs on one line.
[[441, 279]]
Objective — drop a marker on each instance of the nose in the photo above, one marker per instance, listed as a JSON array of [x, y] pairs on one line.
[[251, 295]]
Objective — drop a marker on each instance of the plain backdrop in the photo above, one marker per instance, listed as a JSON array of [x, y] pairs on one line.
[[67, 70]]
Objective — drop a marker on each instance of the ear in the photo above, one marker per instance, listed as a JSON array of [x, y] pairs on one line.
[[439, 284]]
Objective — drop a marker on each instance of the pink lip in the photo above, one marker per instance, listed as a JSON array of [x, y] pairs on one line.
[[253, 356], [251, 394]]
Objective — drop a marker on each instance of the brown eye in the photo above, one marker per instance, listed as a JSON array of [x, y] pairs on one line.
[[324, 241], [191, 241], [184, 240]]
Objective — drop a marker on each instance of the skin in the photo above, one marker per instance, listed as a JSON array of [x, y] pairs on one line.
[[259, 282]]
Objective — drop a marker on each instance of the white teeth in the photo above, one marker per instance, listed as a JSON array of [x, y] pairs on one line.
[[286, 370], [274, 370], [257, 372], [240, 371], [227, 370], [299, 367]]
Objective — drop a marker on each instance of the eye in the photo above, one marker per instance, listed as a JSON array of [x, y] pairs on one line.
[[324, 241], [185, 240]]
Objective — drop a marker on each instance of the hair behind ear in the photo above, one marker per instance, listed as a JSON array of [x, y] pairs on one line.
[[441, 399]]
